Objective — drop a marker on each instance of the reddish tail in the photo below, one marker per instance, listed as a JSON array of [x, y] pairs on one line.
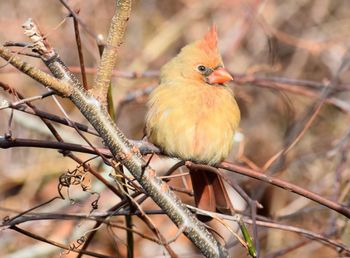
[[209, 192]]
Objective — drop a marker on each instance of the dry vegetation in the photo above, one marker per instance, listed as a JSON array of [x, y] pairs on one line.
[[290, 60]]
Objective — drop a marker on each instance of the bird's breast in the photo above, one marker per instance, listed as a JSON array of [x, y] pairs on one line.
[[193, 122]]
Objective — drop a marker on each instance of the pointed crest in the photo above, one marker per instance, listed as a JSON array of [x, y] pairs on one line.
[[209, 42]]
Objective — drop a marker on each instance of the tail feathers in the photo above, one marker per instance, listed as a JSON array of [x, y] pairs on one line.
[[209, 192]]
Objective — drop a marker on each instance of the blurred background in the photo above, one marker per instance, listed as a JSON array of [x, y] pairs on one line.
[[290, 63]]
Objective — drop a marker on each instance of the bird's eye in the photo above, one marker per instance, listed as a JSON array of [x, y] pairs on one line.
[[201, 68], [204, 70]]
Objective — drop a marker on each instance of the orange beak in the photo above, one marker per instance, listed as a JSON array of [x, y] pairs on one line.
[[219, 75]]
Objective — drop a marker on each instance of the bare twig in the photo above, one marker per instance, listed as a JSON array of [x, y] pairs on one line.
[[342, 209], [80, 52], [42, 114], [287, 249], [110, 54], [272, 224], [66, 247], [86, 28], [27, 100]]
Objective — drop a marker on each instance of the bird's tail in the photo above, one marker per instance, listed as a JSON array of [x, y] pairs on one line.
[[209, 191]]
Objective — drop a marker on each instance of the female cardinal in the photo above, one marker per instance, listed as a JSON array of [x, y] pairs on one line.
[[192, 115]]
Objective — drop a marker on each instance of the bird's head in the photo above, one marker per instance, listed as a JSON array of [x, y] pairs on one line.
[[199, 61]]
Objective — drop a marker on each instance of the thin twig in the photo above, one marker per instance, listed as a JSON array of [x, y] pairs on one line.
[[86, 28], [54, 243], [342, 209], [80, 52], [42, 114]]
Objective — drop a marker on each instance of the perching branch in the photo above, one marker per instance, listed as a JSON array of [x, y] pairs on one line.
[[342, 209]]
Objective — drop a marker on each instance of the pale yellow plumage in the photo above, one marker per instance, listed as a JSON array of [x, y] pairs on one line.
[[189, 118]]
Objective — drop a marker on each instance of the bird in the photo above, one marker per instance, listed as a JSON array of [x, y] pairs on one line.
[[193, 115]]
